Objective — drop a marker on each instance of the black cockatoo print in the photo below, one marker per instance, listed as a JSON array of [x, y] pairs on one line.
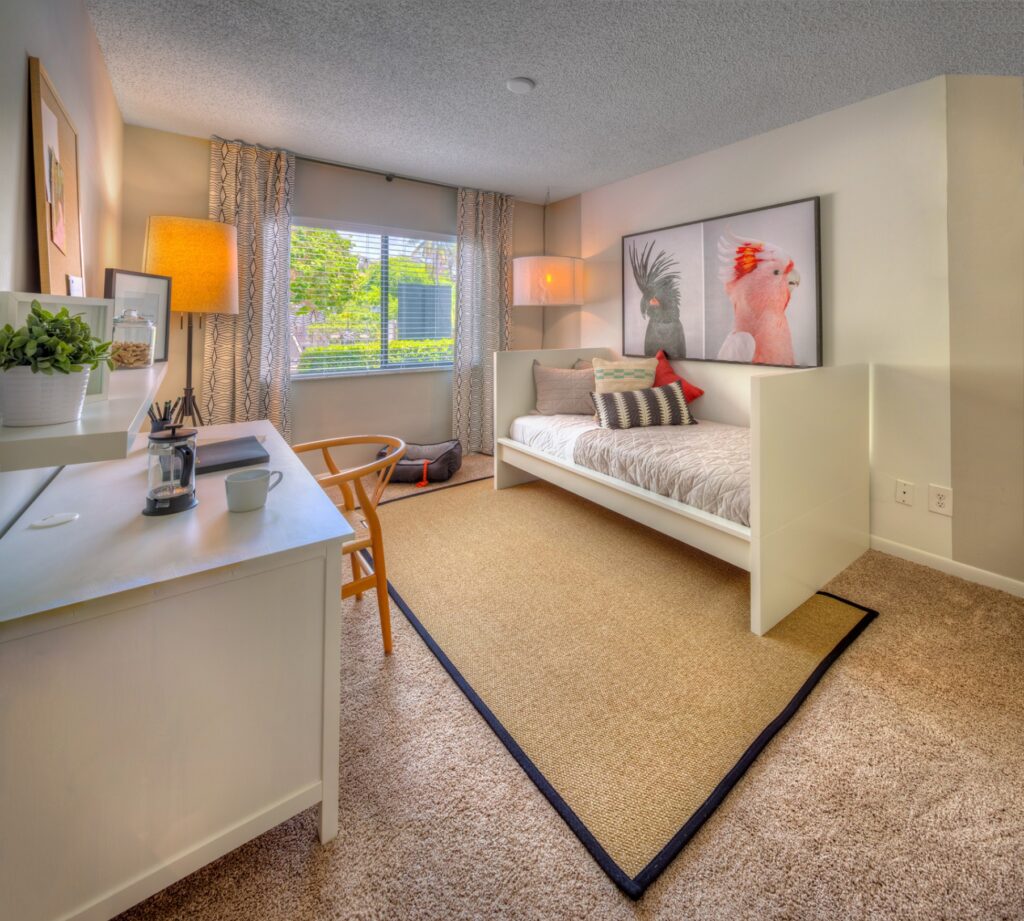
[[659, 301]]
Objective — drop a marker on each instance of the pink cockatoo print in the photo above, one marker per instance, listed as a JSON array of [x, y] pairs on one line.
[[760, 279]]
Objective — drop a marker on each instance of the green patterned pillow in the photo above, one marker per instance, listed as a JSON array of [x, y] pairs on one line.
[[628, 374]]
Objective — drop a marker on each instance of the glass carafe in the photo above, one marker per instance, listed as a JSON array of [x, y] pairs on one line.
[[171, 471]]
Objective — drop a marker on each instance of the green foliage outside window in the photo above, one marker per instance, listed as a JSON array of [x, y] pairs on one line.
[[337, 288], [365, 356]]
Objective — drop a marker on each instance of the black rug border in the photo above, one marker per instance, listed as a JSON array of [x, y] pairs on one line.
[[636, 886]]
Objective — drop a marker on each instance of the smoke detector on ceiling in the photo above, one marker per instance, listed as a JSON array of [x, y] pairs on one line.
[[520, 85]]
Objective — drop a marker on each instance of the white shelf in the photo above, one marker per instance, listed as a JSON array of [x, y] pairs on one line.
[[105, 431]]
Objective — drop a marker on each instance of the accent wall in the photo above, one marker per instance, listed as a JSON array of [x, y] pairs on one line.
[[891, 237]]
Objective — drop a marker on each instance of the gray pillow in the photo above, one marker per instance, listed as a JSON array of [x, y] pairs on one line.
[[563, 390]]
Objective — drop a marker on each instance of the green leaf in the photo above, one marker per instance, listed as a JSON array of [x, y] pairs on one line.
[[51, 341]]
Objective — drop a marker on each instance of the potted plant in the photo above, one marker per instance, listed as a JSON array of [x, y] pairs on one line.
[[45, 365]]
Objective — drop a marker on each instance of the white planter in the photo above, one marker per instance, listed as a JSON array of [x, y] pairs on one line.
[[41, 399]]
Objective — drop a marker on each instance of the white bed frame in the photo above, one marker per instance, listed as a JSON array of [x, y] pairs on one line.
[[809, 478]]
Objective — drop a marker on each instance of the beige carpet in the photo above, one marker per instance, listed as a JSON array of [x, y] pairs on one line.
[[621, 661], [896, 791]]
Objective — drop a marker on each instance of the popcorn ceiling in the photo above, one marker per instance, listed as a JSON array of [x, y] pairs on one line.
[[418, 88]]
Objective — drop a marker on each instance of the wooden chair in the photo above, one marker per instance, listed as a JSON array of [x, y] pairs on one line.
[[350, 483]]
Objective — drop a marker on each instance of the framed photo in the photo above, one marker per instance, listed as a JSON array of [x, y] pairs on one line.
[[97, 312], [742, 288], [150, 295]]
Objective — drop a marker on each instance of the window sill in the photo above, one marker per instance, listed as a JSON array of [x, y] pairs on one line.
[[376, 372]]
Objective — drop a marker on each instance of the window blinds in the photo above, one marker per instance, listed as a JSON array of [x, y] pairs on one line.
[[364, 301]]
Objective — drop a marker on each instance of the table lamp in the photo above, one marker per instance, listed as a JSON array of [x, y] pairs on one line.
[[201, 257]]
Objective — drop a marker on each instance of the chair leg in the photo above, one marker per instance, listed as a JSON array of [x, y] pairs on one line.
[[357, 571], [385, 617], [383, 601]]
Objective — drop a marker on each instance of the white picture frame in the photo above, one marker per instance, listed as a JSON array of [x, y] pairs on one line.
[[98, 312]]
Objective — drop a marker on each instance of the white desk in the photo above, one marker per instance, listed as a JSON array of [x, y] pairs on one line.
[[169, 687]]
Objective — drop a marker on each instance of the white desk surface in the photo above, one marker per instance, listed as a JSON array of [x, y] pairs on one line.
[[113, 547]]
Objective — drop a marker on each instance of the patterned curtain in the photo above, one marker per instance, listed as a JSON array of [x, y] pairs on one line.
[[483, 303], [246, 357]]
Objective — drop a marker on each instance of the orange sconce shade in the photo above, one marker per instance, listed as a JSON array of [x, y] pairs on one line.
[[543, 281], [201, 258]]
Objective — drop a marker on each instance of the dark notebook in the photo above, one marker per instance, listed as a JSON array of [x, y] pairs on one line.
[[238, 452]]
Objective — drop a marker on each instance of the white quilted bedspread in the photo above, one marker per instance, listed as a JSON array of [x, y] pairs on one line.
[[705, 465]]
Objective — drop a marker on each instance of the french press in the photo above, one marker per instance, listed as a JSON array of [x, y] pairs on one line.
[[172, 467]]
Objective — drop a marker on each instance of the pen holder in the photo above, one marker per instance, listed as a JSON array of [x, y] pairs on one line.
[[158, 425]]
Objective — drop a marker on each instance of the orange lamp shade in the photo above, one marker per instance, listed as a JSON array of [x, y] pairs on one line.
[[201, 258], [541, 281]]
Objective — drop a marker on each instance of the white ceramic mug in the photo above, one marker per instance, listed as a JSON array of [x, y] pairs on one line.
[[247, 489]]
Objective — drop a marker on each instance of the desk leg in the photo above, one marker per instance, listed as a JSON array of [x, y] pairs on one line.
[[332, 690]]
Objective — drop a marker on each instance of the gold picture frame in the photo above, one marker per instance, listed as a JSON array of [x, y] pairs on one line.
[[55, 164]]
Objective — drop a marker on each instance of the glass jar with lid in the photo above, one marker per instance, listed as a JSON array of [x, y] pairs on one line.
[[134, 341]]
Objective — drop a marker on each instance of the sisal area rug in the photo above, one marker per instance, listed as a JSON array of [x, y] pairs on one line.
[[615, 664]]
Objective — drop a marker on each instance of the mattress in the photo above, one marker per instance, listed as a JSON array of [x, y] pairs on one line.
[[555, 435], [706, 466]]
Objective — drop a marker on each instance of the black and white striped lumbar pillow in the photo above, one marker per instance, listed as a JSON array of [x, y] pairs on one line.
[[635, 408]]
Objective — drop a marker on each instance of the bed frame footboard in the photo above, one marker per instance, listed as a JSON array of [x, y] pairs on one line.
[[809, 502]]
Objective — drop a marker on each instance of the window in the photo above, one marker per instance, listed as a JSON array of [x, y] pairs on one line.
[[364, 301]]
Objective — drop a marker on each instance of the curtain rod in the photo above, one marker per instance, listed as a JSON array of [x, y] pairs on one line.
[[377, 172], [390, 177]]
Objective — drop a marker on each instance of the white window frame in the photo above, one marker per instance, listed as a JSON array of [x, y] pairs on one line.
[[380, 230]]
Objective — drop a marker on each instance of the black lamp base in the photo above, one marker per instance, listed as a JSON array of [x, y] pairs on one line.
[[189, 406]]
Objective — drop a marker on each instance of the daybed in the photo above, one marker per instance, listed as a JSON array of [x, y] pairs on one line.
[[804, 516]]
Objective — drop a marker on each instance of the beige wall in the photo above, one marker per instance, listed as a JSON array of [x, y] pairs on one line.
[[880, 167], [528, 240], [164, 174], [986, 303], [562, 227], [327, 192], [546, 230], [60, 35]]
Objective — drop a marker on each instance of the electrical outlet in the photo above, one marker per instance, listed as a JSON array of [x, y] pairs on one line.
[[904, 492], [940, 500]]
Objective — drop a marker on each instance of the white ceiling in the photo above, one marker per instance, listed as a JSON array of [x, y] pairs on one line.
[[418, 88]]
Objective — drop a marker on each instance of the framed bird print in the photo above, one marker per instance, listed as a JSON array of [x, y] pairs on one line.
[[742, 288]]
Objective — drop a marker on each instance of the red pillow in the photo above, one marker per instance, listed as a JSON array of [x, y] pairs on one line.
[[665, 375]]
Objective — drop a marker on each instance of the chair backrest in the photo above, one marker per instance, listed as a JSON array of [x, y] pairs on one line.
[[381, 468]]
